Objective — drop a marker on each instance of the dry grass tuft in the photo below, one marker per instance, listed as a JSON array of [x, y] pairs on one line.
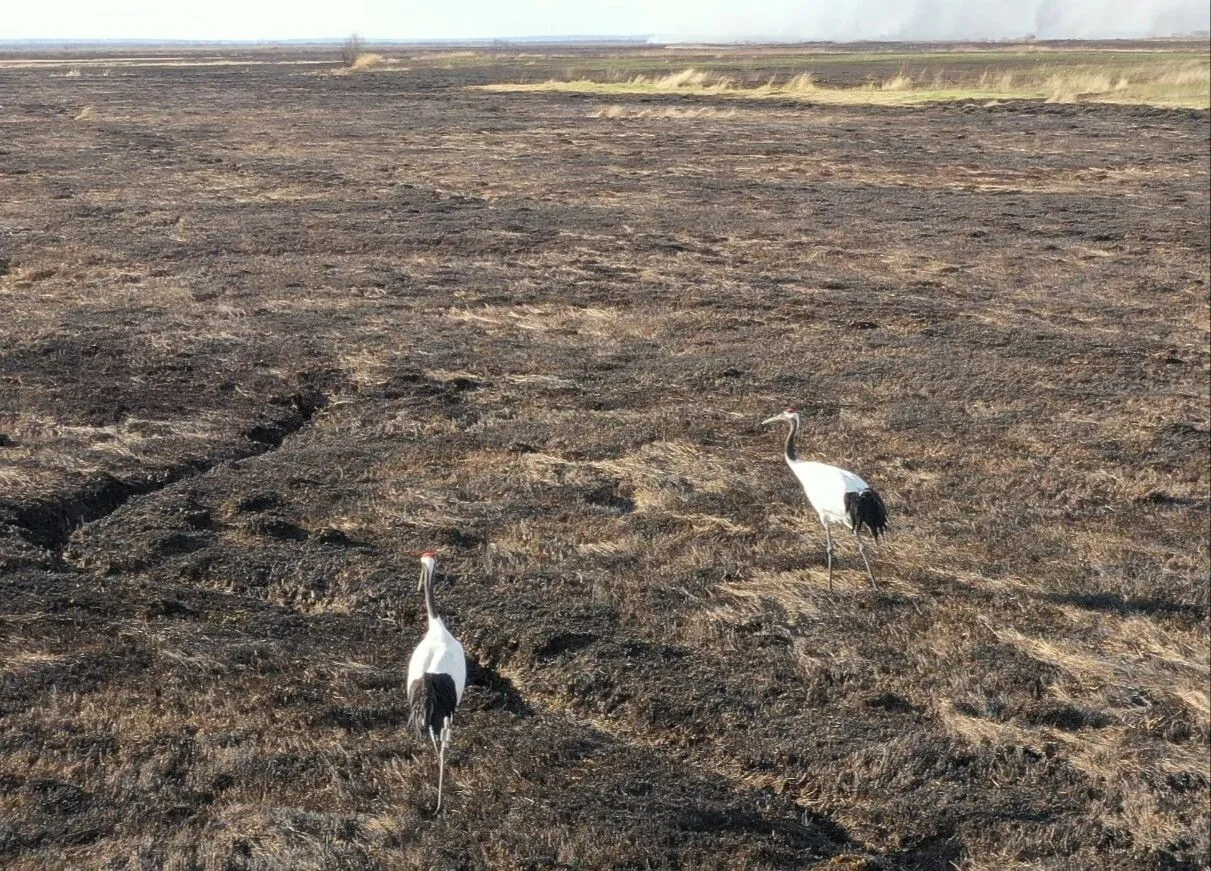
[[1047, 78], [669, 113], [792, 594], [799, 84], [367, 60], [1069, 87], [899, 82], [687, 78]]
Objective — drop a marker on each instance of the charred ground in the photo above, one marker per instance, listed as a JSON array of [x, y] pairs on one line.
[[267, 331]]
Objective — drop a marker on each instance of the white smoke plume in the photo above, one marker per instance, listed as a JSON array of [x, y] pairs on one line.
[[845, 20]]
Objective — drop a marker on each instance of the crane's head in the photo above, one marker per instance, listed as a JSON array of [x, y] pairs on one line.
[[788, 414], [428, 565]]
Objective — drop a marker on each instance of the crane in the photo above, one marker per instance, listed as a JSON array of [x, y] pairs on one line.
[[437, 674], [838, 495]]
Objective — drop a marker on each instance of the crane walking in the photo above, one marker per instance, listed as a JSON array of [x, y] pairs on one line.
[[437, 674], [838, 495]]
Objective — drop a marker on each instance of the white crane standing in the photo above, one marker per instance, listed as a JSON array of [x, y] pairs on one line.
[[437, 674], [838, 495]]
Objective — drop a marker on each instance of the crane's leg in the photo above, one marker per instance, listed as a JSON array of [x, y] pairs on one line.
[[862, 550], [828, 537], [441, 763]]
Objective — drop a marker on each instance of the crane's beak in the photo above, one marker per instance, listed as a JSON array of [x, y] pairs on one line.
[[774, 419], [424, 576]]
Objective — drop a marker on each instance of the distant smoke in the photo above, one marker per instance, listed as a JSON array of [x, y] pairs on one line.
[[948, 20]]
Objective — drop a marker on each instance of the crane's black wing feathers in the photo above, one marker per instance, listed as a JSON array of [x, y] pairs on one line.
[[432, 698], [866, 509]]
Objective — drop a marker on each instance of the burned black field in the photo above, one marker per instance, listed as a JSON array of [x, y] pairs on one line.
[[267, 332]]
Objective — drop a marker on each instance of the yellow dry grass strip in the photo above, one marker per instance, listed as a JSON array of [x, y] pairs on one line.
[[651, 470], [34, 431], [539, 379], [609, 548], [14, 664], [667, 113], [1196, 699], [1111, 755], [659, 478], [1108, 753], [965, 178], [1150, 82], [978, 730], [426, 507], [1003, 860], [367, 367], [48, 453], [540, 318], [708, 523], [739, 601], [368, 60], [796, 593], [657, 463], [1181, 672], [16, 479], [445, 376]]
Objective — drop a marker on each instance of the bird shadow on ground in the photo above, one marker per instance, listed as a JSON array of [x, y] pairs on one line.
[[363, 719], [812, 831], [885, 597], [1116, 604], [496, 691]]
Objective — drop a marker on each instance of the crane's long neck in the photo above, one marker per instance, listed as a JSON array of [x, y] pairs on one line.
[[791, 456], [427, 581]]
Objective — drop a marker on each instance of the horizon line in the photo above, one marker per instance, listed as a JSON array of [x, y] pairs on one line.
[[571, 39]]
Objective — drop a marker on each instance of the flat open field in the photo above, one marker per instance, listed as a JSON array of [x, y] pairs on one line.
[[267, 331]]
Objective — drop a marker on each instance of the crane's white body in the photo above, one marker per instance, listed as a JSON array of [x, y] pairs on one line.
[[828, 489], [825, 487], [439, 652]]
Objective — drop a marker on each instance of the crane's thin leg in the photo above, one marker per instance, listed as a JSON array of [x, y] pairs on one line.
[[862, 550], [441, 763], [828, 536]]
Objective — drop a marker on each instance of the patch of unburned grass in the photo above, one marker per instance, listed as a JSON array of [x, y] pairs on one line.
[[368, 59], [1153, 80], [666, 113]]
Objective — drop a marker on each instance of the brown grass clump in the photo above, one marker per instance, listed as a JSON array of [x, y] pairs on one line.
[[898, 82], [687, 78], [367, 60], [1068, 87], [1055, 77], [800, 83], [617, 111]]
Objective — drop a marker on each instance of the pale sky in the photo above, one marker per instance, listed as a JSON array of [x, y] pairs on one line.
[[670, 20]]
